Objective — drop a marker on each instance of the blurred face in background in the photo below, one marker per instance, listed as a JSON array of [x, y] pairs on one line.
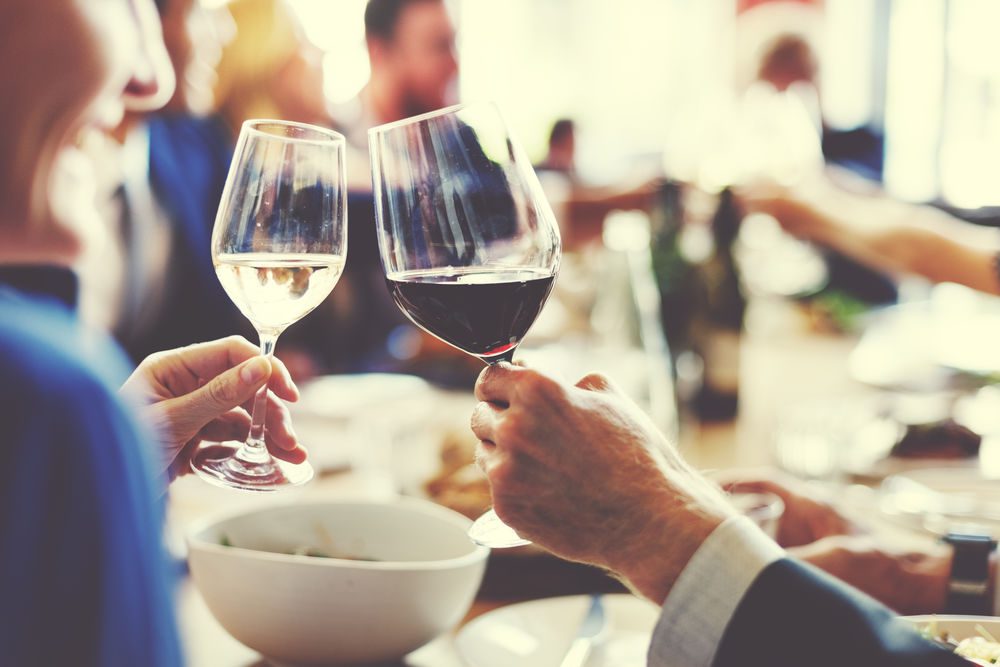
[[298, 85], [788, 60], [69, 66], [194, 37], [421, 55]]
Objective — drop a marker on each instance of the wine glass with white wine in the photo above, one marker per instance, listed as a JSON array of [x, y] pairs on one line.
[[279, 247]]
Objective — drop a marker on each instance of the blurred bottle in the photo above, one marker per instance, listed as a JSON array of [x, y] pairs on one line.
[[676, 275], [719, 325]]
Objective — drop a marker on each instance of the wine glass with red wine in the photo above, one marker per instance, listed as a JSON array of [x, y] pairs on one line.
[[469, 243]]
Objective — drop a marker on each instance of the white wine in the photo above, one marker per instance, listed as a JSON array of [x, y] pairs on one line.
[[274, 290]]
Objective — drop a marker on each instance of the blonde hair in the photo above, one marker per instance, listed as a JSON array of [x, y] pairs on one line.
[[268, 36]]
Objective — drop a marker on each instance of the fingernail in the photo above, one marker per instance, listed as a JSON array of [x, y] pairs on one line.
[[255, 370]]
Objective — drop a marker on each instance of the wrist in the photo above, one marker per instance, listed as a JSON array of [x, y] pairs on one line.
[[651, 563]]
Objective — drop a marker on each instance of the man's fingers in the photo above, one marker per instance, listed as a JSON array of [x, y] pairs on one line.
[[188, 414], [495, 383], [484, 419], [487, 458]]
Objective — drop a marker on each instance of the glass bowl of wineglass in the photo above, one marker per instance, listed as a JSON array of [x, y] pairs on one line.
[[469, 244], [279, 247]]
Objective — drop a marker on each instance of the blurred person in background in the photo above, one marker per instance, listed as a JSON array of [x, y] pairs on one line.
[[151, 281], [844, 209], [778, 45], [561, 154], [579, 207], [269, 69], [411, 50], [84, 577], [891, 236]]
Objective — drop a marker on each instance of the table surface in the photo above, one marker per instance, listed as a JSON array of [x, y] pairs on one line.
[[779, 364]]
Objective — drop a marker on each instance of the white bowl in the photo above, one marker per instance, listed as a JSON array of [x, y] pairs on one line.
[[305, 610]]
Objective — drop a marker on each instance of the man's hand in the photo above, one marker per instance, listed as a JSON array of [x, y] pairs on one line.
[[582, 472], [203, 392]]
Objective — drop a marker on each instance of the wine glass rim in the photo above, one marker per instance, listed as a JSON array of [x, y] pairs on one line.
[[253, 125], [412, 120]]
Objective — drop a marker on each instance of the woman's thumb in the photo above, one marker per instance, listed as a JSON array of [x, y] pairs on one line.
[[188, 414]]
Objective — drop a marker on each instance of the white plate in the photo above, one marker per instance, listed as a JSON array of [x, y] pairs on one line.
[[539, 633]]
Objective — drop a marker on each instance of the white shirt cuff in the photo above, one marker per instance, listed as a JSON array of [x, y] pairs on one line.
[[705, 596]]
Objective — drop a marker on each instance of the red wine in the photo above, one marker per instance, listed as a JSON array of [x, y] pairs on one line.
[[483, 311]]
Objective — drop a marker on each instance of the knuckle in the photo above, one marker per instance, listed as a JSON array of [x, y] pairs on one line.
[[535, 386], [596, 379], [479, 420], [155, 359]]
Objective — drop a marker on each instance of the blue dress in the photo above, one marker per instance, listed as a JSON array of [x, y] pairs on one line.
[[83, 575]]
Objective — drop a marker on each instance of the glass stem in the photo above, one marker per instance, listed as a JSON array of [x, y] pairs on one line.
[[254, 450], [507, 356]]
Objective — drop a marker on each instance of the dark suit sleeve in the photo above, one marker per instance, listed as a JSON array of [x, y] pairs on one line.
[[796, 616]]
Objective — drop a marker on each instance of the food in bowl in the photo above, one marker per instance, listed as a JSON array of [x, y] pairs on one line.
[[306, 550], [296, 609], [982, 649], [972, 637]]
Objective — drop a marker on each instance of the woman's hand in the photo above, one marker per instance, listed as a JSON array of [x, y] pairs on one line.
[[205, 391]]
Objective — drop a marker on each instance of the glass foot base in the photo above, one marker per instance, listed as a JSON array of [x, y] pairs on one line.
[[217, 465], [490, 531]]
